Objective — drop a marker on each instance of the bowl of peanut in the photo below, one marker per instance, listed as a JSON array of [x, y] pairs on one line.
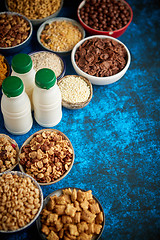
[[71, 213], [36, 11], [60, 35], [15, 32], [21, 201], [9, 151], [47, 156]]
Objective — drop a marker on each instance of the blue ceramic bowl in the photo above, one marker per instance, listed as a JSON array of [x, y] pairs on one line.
[[19, 47]]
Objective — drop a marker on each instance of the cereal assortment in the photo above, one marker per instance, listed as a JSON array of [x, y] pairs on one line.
[[47, 157], [101, 57], [20, 201], [14, 30], [37, 9], [105, 15], [60, 36], [8, 154], [3, 69], [75, 214], [47, 60]]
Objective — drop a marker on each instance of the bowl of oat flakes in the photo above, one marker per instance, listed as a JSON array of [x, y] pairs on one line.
[[46, 59], [71, 213], [9, 151], [23, 209], [47, 156], [60, 35], [37, 11]]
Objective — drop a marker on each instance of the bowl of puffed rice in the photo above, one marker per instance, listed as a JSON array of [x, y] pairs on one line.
[[23, 209], [47, 156], [37, 11], [60, 35]]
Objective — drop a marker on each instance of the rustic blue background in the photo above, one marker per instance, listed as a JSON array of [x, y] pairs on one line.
[[116, 137]]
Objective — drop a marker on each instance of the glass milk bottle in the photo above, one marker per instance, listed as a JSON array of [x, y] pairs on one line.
[[15, 106], [47, 101], [22, 67]]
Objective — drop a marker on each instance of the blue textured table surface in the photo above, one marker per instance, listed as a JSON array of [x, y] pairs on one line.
[[116, 137]]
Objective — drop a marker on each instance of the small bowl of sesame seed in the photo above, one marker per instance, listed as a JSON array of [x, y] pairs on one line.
[[60, 35], [46, 59], [76, 91]]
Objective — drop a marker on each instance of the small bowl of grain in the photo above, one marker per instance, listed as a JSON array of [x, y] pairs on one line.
[[46, 59], [60, 35], [9, 151], [36, 11], [47, 156], [4, 69], [76, 91]]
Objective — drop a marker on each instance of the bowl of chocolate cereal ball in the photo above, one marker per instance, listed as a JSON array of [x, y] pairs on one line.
[[15, 32], [76, 91], [71, 213], [37, 11], [105, 17], [46, 59], [47, 156], [21, 201], [60, 35], [101, 59]]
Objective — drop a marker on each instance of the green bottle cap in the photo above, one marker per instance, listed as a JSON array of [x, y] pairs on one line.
[[21, 63], [45, 78], [12, 86]]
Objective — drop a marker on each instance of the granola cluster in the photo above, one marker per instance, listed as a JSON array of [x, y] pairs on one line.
[[72, 215], [8, 154], [47, 156]]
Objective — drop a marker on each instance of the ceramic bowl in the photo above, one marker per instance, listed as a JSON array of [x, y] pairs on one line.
[[49, 63], [77, 105], [116, 33], [100, 80], [59, 19], [15, 146], [37, 22], [58, 193], [22, 45], [65, 138], [24, 175]]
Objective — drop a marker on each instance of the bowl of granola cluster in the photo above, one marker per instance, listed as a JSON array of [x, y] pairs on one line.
[[9, 151], [15, 32], [101, 59], [47, 156], [37, 11], [60, 35], [71, 213], [22, 209]]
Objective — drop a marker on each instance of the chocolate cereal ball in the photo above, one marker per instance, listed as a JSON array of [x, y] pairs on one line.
[[105, 15]]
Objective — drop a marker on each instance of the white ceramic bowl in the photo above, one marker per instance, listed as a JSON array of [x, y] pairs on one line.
[[41, 28], [100, 80], [24, 175]]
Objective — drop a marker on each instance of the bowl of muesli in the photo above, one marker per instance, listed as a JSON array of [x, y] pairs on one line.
[[60, 35], [47, 156]]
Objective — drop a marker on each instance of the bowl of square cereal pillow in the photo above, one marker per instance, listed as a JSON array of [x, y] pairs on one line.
[[37, 11], [71, 213], [101, 59]]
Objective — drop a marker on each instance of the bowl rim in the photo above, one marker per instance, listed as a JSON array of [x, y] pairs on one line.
[[29, 139], [94, 77], [40, 20], [104, 32], [13, 142], [58, 192], [77, 105], [30, 33], [19, 173], [61, 59], [74, 22]]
